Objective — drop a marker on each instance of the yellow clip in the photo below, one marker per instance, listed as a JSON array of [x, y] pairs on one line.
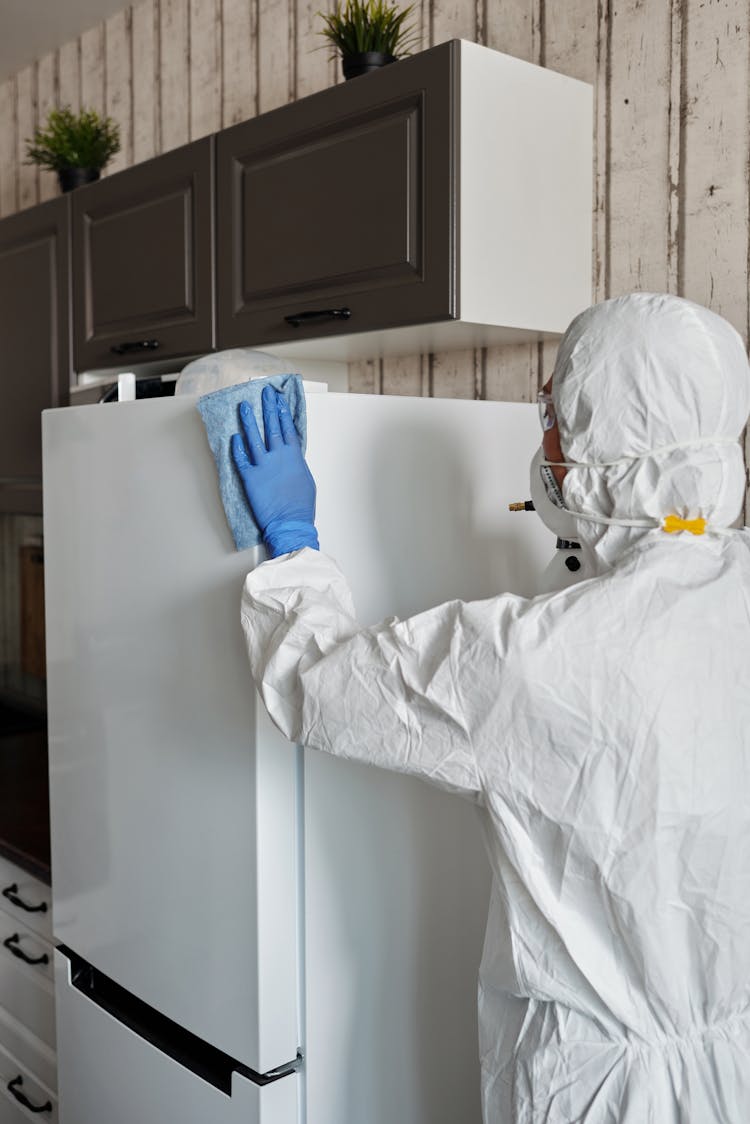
[[673, 523]]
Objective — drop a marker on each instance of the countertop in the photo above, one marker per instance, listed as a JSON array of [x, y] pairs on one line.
[[24, 791]]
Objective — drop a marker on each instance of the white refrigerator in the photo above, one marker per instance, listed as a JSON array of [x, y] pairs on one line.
[[249, 931]]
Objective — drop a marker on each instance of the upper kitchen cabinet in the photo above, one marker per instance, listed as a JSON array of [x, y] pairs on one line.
[[336, 213], [34, 345], [143, 263], [441, 202]]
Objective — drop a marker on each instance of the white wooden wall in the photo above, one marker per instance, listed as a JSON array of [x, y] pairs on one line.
[[670, 186]]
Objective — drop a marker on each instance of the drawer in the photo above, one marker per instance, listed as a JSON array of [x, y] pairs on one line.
[[12, 1113], [113, 1072], [25, 947], [34, 1057], [26, 898], [23, 1090], [27, 990]]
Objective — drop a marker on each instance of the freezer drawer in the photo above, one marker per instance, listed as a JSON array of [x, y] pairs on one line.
[[114, 1072]]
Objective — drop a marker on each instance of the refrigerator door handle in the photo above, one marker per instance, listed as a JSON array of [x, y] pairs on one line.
[[283, 1070], [184, 1047]]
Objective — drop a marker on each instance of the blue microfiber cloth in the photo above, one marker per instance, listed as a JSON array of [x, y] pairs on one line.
[[220, 413]]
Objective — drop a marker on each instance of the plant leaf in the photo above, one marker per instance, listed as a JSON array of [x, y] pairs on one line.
[[68, 140], [368, 25]]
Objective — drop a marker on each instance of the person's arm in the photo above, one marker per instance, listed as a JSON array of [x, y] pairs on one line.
[[387, 695]]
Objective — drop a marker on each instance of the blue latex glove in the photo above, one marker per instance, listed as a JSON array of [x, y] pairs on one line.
[[278, 484]]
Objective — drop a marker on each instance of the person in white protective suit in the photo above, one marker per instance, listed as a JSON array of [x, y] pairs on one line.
[[605, 728]]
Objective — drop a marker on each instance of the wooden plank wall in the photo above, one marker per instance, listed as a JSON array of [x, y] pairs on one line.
[[670, 183]]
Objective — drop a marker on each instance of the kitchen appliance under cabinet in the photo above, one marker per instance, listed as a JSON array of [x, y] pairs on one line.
[[311, 925]]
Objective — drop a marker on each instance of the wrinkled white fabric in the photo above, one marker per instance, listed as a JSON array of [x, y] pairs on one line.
[[604, 728]]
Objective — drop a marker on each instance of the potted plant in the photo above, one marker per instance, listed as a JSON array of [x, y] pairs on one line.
[[76, 146], [367, 34]]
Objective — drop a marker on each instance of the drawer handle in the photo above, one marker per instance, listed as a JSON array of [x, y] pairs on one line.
[[14, 1090], [12, 946], [134, 345], [11, 893], [318, 316]]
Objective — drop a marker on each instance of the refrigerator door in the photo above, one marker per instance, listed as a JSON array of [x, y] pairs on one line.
[[111, 1072], [173, 799], [397, 882]]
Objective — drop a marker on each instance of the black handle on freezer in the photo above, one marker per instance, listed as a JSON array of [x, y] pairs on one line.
[[12, 946], [134, 345], [318, 316], [11, 893], [14, 1090]]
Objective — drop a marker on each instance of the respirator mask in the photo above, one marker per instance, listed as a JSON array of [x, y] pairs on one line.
[[548, 499]]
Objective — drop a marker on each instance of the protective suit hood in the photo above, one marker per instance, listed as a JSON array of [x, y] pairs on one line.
[[651, 393]]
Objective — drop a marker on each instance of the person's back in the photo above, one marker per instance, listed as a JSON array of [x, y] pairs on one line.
[[619, 796]]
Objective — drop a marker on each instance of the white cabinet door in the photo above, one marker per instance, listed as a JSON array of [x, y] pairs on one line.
[[172, 798], [109, 1073]]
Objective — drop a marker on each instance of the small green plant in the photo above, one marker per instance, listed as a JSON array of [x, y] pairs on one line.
[[358, 26], [70, 140]]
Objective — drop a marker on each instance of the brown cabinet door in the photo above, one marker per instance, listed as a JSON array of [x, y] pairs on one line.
[[345, 200], [34, 344], [142, 261]]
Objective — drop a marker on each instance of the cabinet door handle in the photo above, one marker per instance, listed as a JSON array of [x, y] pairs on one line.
[[12, 946], [13, 1088], [318, 316], [129, 346], [11, 893]]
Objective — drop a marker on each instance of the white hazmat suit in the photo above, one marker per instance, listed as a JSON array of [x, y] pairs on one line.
[[604, 728]]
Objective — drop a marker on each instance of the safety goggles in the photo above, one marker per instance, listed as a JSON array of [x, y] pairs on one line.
[[547, 416]]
